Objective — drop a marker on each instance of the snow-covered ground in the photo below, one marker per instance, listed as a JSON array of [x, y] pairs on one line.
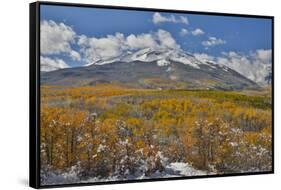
[[175, 169], [184, 169]]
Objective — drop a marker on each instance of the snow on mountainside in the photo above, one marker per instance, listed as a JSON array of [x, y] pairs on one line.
[[181, 66], [162, 56], [153, 70], [259, 73]]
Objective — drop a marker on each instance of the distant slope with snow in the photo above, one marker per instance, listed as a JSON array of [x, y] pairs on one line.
[[162, 56], [148, 68], [259, 73]]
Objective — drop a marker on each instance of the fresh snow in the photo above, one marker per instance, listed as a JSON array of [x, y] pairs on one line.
[[163, 57], [184, 169], [175, 169], [259, 73], [186, 61], [163, 62], [102, 62], [170, 170]]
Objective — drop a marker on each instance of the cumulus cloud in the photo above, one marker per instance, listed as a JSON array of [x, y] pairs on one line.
[[166, 39], [255, 66], [110, 46], [75, 55], [141, 41], [51, 64], [158, 18], [197, 32], [184, 20], [184, 32], [264, 55], [213, 41], [56, 38], [95, 49]]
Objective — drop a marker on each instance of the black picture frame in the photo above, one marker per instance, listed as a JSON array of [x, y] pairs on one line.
[[34, 92]]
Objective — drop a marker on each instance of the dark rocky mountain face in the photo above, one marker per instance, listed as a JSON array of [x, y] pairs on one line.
[[140, 74]]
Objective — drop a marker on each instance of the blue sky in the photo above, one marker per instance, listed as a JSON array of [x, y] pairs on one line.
[[238, 34]]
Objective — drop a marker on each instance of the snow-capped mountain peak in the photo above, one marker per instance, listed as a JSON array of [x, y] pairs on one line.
[[163, 57]]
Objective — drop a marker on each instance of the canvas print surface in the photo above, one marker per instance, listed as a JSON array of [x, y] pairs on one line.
[[132, 95]]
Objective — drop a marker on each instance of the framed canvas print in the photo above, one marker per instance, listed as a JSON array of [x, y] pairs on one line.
[[121, 94]]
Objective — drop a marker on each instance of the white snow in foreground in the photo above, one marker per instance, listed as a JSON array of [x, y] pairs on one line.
[[175, 169], [53, 178], [184, 169]]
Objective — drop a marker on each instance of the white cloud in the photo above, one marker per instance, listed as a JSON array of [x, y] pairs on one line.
[[184, 20], [158, 18], [184, 32], [213, 41], [166, 40], [197, 32], [141, 41], [75, 55], [264, 55], [95, 49], [255, 66], [49, 64], [56, 38]]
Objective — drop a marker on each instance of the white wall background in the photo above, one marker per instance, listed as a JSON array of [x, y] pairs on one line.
[[14, 75]]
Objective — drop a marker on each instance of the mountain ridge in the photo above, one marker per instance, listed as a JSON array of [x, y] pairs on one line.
[[153, 69]]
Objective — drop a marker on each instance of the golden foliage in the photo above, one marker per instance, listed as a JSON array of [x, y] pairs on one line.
[[107, 129]]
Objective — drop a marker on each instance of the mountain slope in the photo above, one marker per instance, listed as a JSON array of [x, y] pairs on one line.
[[152, 69]]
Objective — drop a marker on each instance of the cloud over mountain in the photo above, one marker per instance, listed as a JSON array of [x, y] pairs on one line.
[[58, 41], [255, 65], [94, 49]]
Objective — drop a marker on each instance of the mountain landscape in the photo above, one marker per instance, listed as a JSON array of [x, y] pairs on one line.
[[167, 113], [133, 95], [149, 68]]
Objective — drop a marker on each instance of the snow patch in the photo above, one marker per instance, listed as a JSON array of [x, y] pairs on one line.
[[185, 61], [184, 169], [163, 62]]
